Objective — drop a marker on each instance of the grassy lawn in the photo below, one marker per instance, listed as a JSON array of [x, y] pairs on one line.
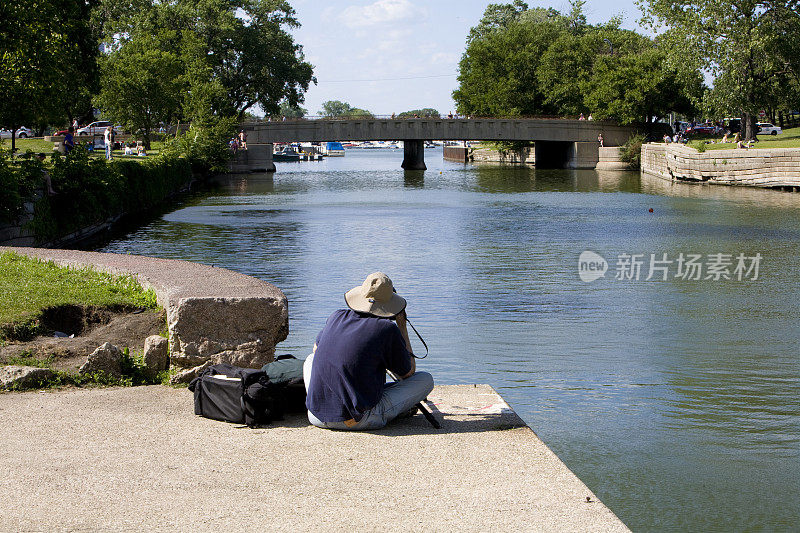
[[29, 285], [790, 138], [40, 145], [35, 145]]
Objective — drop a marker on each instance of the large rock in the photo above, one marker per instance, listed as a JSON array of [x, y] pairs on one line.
[[106, 358], [187, 375], [239, 331], [24, 377], [156, 354]]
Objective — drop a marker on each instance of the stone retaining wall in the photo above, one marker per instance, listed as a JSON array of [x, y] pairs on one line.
[[777, 167], [214, 315], [525, 156], [608, 157], [20, 233]]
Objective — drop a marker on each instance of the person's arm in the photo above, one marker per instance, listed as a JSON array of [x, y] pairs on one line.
[[401, 325]]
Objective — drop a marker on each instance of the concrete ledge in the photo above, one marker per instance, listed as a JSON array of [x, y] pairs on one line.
[[257, 158], [138, 458], [214, 315], [610, 159]]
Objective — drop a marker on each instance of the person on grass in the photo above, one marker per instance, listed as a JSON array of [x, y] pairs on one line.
[[345, 376]]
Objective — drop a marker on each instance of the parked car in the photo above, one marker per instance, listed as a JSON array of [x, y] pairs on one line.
[[768, 129], [22, 133], [733, 125], [707, 128], [97, 128]]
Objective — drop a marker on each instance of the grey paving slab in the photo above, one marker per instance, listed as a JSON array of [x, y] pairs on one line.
[[139, 459]]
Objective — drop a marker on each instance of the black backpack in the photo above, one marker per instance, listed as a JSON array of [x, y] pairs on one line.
[[287, 371]]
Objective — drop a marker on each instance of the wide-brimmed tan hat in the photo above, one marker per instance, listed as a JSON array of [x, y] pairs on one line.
[[376, 297]]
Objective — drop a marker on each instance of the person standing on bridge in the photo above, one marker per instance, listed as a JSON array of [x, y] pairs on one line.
[[600, 139], [242, 140], [581, 117]]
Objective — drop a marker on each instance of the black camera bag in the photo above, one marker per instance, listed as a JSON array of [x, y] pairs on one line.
[[238, 395]]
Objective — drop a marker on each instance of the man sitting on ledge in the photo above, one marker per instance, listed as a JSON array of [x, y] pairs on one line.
[[346, 375]]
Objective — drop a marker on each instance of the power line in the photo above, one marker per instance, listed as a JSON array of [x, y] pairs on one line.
[[391, 79]]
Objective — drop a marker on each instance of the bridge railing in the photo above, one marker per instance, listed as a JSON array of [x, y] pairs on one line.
[[309, 118]]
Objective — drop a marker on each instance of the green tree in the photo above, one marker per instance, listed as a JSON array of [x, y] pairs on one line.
[[497, 17], [497, 71], [289, 111], [426, 112], [749, 46], [142, 86], [236, 54], [48, 70], [538, 61], [637, 87], [335, 108], [357, 112]]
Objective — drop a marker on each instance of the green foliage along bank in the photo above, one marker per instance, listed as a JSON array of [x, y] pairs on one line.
[[89, 190], [751, 48]]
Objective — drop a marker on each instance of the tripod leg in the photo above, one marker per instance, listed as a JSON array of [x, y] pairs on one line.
[[429, 416]]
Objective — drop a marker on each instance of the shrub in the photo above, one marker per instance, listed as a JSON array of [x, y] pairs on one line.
[[206, 149], [93, 190], [631, 151]]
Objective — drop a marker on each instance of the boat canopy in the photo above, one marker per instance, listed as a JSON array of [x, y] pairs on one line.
[[334, 146]]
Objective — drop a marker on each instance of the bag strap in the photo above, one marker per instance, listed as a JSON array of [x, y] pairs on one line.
[[420, 338]]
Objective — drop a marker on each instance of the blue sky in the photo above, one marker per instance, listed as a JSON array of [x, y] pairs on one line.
[[359, 49]]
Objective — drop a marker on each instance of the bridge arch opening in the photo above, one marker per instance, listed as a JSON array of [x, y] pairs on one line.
[[554, 154]]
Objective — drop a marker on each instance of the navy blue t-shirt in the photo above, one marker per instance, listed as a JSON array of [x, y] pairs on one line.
[[349, 371]]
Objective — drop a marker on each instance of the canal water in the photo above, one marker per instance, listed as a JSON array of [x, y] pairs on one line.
[[677, 400]]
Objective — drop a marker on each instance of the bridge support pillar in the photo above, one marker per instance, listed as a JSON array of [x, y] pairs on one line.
[[414, 155], [584, 155], [257, 158]]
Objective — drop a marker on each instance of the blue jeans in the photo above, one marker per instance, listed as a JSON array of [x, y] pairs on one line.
[[397, 398], [108, 150]]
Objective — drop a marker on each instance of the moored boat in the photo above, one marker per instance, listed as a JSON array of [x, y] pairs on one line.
[[333, 149]]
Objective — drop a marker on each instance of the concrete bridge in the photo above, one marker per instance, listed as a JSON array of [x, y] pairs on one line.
[[559, 143]]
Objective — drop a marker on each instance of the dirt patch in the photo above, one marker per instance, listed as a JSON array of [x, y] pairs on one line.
[[91, 327]]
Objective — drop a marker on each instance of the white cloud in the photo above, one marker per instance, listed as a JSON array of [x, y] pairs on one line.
[[445, 58], [380, 12]]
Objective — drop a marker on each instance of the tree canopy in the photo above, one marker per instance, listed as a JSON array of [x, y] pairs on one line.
[[48, 70], [424, 112], [223, 56], [339, 109], [533, 61], [291, 111], [142, 86], [750, 47]]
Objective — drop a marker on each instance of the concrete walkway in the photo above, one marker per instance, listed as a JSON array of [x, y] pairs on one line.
[[138, 459]]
